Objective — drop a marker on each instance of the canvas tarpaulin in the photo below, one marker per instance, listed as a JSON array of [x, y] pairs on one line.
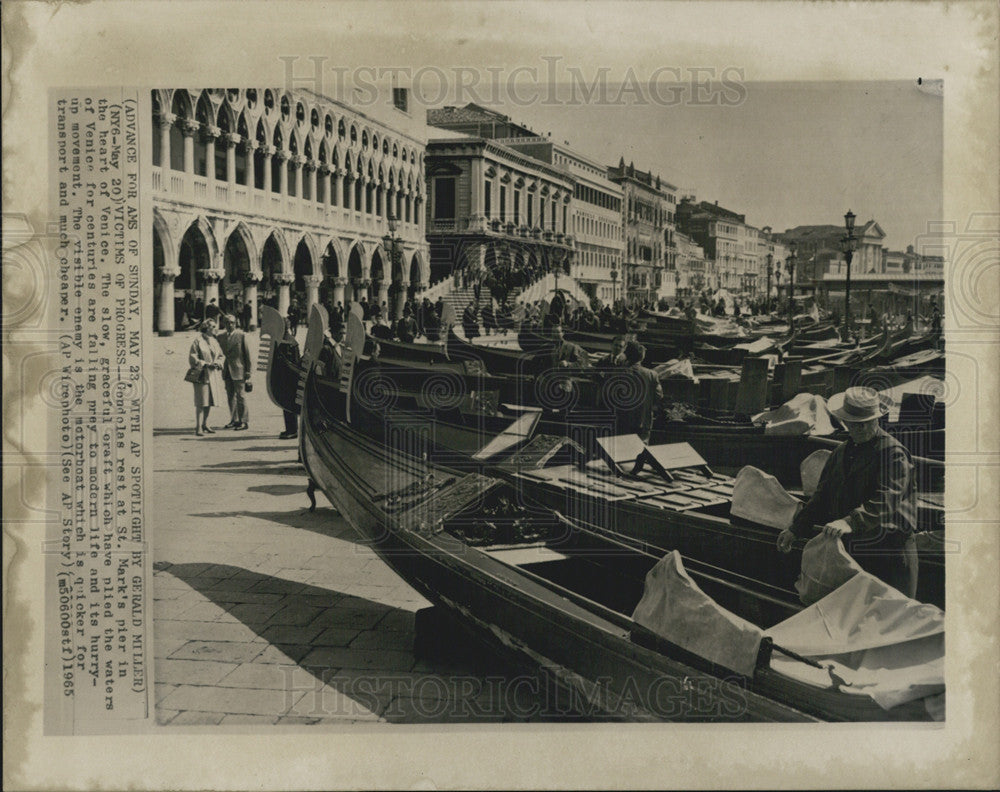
[[803, 414], [873, 639], [673, 607]]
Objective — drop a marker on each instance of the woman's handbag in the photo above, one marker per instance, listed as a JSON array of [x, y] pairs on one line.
[[197, 375], [248, 385]]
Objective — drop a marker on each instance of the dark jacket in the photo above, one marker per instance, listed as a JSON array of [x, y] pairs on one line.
[[234, 346], [632, 393], [870, 485]]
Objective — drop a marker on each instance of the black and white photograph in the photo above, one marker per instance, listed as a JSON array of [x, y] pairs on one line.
[[501, 394]]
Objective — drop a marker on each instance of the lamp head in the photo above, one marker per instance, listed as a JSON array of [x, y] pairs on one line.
[[849, 221], [392, 223]]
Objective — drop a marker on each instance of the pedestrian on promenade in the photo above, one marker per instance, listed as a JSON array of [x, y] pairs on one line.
[[212, 311], [235, 372], [634, 413], [288, 349], [865, 496], [206, 360]]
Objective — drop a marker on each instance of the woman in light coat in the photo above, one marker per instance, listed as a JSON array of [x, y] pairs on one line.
[[206, 355]]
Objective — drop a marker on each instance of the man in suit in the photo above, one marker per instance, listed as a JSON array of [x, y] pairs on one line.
[[235, 371], [638, 394]]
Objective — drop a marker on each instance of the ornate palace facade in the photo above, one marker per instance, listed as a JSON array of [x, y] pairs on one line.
[[284, 196]]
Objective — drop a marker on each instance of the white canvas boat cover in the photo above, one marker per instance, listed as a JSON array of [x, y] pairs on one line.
[[872, 639], [760, 498], [804, 414], [811, 469], [675, 368], [756, 347], [826, 566], [673, 607]]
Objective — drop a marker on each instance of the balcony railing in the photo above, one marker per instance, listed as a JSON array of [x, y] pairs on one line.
[[239, 197]]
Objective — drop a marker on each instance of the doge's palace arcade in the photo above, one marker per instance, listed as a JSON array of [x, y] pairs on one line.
[[283, 197]]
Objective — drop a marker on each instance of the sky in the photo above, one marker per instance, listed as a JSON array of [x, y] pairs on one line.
[[783, 154]]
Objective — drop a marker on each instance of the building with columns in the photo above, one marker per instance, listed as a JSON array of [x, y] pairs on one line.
[[589, 219], [650, 259], [491, 206], [284, 196]]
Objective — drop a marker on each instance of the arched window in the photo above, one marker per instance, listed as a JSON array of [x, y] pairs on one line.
[[395, 151], [251, 98], [385, 148], [286, 108], [354, 134], [203, 114], [364, 140], [375, 143], [258, 157], [328, 124], [268, 100], [277, 165], [341, 129], [157, 112]]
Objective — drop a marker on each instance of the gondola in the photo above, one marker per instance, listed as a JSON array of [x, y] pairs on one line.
[[460, 422], [537, 586]]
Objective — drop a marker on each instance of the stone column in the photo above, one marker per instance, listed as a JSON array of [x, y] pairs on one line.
[[403, 287], [212, 278], [210, 134], [251, 146], [336, 188], [297, 161], [268, 152], [338, 290], [324, 172], [189, 128], [312, 291], [383, 292], [165, 316], [349, 191], [250, 281], [284, 281], [476, 203], [231, 141], [281, 156], [166, 121], [348, 292], [310, 167]]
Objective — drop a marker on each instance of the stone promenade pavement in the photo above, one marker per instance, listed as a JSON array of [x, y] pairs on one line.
[[267, 614]]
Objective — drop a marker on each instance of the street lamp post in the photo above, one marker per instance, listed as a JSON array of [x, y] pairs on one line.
[[848, 245], [770, 266], [391, 244], [614, 287], [791, 286]]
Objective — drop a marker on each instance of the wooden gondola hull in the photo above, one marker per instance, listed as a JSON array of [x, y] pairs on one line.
[[580, 647]]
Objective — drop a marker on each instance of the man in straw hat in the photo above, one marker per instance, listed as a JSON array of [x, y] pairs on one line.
[[865, 495]]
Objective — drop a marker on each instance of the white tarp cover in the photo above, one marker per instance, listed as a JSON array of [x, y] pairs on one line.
[[826, 566], [873, 639], [675, 368], [811, 469], [804, 414], [754, 347], [760, 498], [672, 606]]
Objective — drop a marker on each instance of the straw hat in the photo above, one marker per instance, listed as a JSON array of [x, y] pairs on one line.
[[857, 404]]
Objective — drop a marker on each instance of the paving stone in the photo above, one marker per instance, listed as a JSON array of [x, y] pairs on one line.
[[271, 676], [164, 646], [161, 691], [191, 672], [296, 614], [335, 636], [257, 613], [248, 720], [359, 658], [347, 617], [397, 620], [292, 634], [169, 609], [283, 653], [197, 719], [221, 701], [229, 630], [204, 612], [223, 651], [384, 639], [329, 703], [278, 586], [163, 716]]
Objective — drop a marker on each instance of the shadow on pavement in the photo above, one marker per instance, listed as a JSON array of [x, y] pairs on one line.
[[279, 489], [360, 656]]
